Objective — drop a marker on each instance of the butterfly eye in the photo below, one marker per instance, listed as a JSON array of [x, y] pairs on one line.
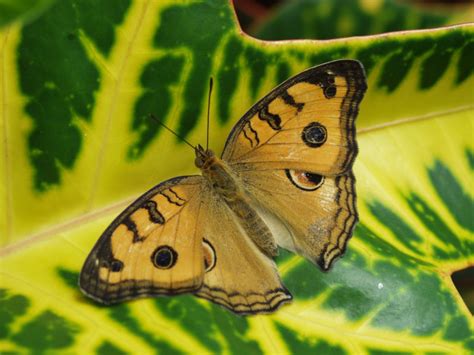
[[164, 257], [199, 162], [209, 256], [305, 180], [314, 135]]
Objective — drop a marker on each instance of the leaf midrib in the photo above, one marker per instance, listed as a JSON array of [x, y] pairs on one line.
[[112, 109], [6, 168]]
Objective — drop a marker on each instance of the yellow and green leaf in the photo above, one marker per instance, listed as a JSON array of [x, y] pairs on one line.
[[76, 147]]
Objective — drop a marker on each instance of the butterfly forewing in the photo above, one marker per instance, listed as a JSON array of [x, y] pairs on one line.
[[151, 248], [296, 148], [306, 123]]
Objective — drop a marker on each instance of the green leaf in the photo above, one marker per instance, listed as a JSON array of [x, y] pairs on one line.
[[76, 147], [321, 19], [26, 10]]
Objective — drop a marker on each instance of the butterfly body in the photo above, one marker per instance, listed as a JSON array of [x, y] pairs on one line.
[[228, 187], [284, 179]]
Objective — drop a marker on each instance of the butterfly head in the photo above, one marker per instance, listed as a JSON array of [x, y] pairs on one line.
[[204, 157]]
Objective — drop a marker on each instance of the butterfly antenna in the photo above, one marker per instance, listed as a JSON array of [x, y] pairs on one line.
[[152, 116], [208, 111]]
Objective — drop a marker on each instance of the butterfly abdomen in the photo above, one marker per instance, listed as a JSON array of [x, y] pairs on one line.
[[253, 225]]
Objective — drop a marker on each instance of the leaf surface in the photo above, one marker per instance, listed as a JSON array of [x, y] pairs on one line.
[[76, 147]]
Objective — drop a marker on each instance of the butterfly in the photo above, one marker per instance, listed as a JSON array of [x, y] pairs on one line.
[[284, 180]]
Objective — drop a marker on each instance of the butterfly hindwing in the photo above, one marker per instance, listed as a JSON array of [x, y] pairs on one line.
[[150, 248], [306, 123], [239, 276], [322, 212]]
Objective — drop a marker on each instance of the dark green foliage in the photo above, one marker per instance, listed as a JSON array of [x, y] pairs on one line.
[[69, 277], [98, 18], [21, 10], [46, 331], [193, 317], [396, 224], [107, 348], [123, 316], [305, 281], [206, 25], [437, 226], [387, 352], [470, 157], [11, 307], [157, 79], [228, 77], [298, 344], [320, 19], [257, 62], [208, 322], [59, 79], [458, 329], [458, 201], [465, 67]]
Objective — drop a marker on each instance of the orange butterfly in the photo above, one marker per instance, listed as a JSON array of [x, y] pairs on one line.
[[284, 179]]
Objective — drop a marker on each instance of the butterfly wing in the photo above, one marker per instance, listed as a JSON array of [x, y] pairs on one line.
[[294, 152], [238, 275], [151, 248], [317, 214], [306, 123], [180, 237]]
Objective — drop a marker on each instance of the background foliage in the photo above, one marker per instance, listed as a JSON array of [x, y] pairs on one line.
[[77, 82]]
